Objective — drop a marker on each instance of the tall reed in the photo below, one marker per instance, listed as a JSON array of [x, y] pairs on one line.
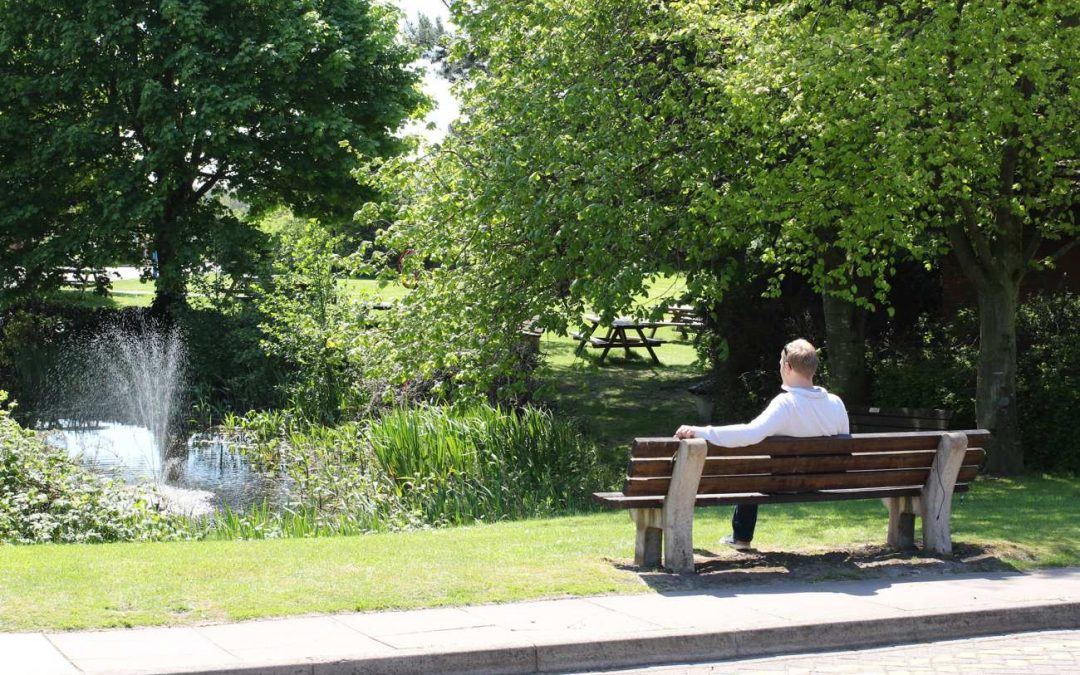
[[417, 466]]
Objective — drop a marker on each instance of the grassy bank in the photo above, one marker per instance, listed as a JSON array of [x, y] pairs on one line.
[[1030, 522], [136, 293]]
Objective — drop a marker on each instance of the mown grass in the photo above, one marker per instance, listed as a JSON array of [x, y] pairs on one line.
[[136, 293], [1031, 522], [624, 397]]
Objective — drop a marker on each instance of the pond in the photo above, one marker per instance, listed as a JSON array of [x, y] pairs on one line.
[[196, 474]]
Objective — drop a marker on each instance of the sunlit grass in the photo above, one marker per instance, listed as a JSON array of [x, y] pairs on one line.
[[1030, 522], [136, 293]]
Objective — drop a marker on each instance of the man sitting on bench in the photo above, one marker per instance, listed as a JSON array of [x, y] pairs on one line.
[[802, 410]]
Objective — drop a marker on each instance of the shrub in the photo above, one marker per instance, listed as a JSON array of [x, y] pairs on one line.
[[311, 326], [424, 465], [227, 366], [933, 368], [46, 497], [937, 367], [1048, 367], [482, 463]]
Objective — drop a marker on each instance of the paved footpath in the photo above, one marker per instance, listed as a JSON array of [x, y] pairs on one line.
[[1045, 653], [578, 634]]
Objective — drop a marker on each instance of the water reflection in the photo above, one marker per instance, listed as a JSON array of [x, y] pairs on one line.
[[202, 473]]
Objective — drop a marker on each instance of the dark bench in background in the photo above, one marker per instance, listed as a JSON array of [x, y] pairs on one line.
[[912, 472], [870, 419]]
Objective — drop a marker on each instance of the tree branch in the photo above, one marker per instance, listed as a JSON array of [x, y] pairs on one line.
[[196, 195], [965, 253], [1058, 254], [1032, 247], [980, 246]]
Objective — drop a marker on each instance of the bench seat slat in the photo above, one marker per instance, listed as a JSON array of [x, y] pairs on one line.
[[730, 466], [620, 501], [642, 487], [777, 446]]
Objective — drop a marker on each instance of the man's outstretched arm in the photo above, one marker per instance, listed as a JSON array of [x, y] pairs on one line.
[[768, 423]]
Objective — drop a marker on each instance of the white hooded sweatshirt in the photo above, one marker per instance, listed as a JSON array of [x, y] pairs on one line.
[[799, 411]]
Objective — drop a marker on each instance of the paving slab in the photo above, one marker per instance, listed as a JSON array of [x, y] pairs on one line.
[[378, 624], [684, 610], [32, 654], [575, 634], [569, 616], [290, 640], [141, 650]]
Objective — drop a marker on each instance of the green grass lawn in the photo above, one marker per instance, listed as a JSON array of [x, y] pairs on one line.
[[1026, 523], [624, 397], [135, 293]]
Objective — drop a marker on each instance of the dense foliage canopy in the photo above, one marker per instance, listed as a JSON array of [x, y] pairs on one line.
[[604, 142], [119, 121]]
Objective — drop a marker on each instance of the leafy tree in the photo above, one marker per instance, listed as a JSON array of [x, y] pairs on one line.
[[921, 127], [600, 144], [120, 121], [425, 33], [563, 184], [605, 142]]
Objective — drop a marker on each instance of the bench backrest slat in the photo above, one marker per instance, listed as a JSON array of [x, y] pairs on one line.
[[792, 465], [651, 487], [777, 446], [733, 466]]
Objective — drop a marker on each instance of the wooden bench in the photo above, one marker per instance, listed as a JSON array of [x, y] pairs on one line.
[[914, 473], [83, 277], [873, 419]]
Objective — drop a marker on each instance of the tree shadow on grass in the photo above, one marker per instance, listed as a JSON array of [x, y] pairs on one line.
[[731, 570]]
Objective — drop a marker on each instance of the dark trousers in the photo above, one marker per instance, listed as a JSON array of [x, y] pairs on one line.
[[744, 521]]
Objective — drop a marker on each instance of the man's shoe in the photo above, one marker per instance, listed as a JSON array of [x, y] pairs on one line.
[[737, 544]]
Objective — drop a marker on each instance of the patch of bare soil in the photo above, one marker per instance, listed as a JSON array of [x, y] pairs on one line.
[[863, 562]]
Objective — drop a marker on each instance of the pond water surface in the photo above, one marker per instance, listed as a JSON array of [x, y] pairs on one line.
[[198, 474]]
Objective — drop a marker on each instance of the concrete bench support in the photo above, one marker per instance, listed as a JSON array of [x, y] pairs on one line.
[[936, 500], [678, 511], [902, 512], [650, 536]]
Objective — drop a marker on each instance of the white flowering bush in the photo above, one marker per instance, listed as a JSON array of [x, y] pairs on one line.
[[45, 496]]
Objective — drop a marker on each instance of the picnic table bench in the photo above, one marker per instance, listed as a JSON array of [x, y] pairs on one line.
[[685, 318], [617, 337], [83, 277], [914, 473]]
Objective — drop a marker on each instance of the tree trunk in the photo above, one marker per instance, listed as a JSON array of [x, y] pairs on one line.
[[845, 338], [995, 396], [171, 284]]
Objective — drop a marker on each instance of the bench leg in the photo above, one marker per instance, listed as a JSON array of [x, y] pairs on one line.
[[937, 493], [650, 536], [901, 523], [679, 505]]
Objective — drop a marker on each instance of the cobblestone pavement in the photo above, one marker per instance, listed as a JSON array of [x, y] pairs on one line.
[[1050, 653]]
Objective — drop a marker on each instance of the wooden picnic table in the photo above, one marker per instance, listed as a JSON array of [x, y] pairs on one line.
[[623, 334], [684, 318]]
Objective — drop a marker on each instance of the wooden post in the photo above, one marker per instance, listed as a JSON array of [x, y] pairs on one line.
[[901, 522], [679, 505], [937, 493], [650, 536]]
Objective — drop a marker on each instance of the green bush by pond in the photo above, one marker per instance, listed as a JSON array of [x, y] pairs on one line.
[[45, 497], [420, 466]]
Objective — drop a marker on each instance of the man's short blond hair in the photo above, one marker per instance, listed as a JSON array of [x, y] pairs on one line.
[[801, 356]]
